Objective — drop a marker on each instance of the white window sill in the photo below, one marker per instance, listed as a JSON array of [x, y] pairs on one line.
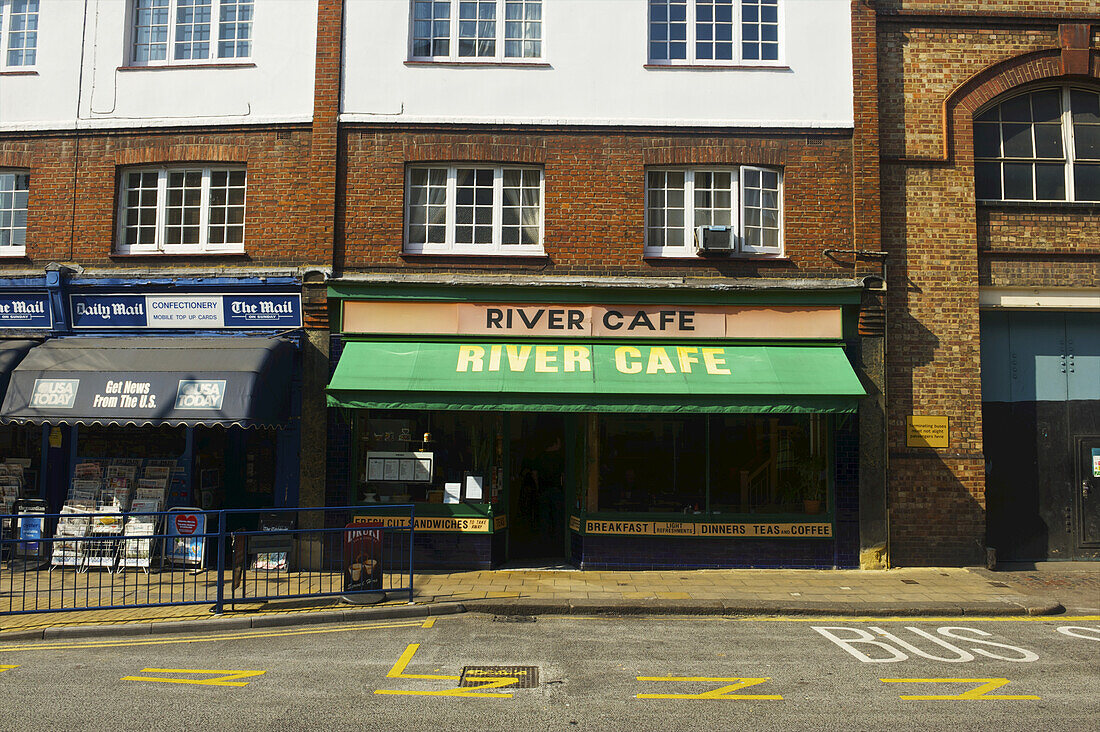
[[189, 65], [179, 253], [521, 253], [693, 257], [13, 252], [1022, 203], [704, 66], [538, 63]]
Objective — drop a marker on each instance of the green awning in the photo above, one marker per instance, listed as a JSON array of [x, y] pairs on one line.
[[602, 377]]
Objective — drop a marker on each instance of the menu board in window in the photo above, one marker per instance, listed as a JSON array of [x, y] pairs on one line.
[[399, 467]]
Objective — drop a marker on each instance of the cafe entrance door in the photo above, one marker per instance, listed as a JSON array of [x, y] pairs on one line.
[[536, 505]]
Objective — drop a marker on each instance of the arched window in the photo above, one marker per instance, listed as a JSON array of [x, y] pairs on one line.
[[1039, 146]]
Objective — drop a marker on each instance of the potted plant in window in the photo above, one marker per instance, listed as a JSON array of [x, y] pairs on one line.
[[810, 469], [803, 481]]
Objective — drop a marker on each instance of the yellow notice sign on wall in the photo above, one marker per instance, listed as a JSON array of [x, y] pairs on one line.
[[926, 431]]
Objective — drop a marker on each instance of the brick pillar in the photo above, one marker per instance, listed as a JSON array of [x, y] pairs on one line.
[[867, 236], [323, 162]]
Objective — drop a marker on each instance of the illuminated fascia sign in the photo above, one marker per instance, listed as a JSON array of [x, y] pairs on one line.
[[193, 312], [599, 321]]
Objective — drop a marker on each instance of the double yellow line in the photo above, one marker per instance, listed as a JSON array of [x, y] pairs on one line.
[[214, 637]]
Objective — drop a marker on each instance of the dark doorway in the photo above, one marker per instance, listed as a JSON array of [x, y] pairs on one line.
[[536, 504], [1088, 485]]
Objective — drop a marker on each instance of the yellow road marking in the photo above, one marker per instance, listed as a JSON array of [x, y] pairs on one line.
[[720, 693], [227, 678], [430, 622], [211, 638], [8, 668], [398, 672], [979, 692]]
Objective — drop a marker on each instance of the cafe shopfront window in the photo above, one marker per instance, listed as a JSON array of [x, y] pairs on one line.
[[716, 464], [405, 456]]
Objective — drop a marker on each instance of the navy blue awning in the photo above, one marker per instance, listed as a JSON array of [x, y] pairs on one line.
[[153, 381]]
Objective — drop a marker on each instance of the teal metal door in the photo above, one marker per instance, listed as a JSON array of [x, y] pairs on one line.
[[1040, 399]]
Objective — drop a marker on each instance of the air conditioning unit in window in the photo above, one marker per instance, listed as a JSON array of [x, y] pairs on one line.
[[711, 240]]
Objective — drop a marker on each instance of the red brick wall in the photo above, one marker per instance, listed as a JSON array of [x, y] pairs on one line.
[[595, 196], [66, 167], [324, 153]]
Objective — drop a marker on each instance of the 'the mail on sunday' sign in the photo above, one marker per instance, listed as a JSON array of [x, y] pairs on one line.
[[25, 310], [193, 312]]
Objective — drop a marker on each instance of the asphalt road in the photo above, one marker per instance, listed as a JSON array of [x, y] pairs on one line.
[[630, 673]]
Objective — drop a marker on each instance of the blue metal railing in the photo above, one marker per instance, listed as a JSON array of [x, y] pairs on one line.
[[110, 560]]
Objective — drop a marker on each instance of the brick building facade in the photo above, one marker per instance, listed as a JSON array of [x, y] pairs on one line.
[[869, 130], [956, 263]]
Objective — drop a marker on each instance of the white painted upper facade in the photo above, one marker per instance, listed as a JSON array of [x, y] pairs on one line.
[[86, 73], [596, 67]]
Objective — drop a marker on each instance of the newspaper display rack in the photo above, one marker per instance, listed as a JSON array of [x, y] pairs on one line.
[[70, 553], [103, 542]]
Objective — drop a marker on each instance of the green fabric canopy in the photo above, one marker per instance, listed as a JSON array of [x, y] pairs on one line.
[[602, 377]]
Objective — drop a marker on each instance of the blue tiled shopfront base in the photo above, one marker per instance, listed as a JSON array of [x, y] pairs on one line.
[[438, 550], [670, 552]]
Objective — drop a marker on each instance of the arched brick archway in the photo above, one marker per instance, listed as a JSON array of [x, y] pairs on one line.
[[985, 86]]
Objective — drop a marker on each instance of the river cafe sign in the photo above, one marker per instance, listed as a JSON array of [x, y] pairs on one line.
[[599, 321]]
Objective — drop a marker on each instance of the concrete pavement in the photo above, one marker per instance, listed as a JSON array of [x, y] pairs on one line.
[[901, 592]]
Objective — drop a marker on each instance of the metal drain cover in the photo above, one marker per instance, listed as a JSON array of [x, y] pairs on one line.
[[527, 677]]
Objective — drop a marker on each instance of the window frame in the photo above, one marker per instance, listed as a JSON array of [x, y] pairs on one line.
[[20, 250], [1069, 150], [737, 216], [160, 247], [496, 248], [6, 8], [738, 59], [453, 39], [213, 59]]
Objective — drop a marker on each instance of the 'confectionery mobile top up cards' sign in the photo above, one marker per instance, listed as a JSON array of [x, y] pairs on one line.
[[195, 312]]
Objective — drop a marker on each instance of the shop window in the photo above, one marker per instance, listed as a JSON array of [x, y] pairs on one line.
[[473, 210], [476, 30], [20, 460], [714, 32], [1039, 146], [753, 464], [18, 34], [748, 201], [182, 211], [769, 464], [190, 31], [432, 457], [652, 464], [14, 192]]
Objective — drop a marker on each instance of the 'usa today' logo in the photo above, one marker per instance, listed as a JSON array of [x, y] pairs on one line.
[[200, 394]]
